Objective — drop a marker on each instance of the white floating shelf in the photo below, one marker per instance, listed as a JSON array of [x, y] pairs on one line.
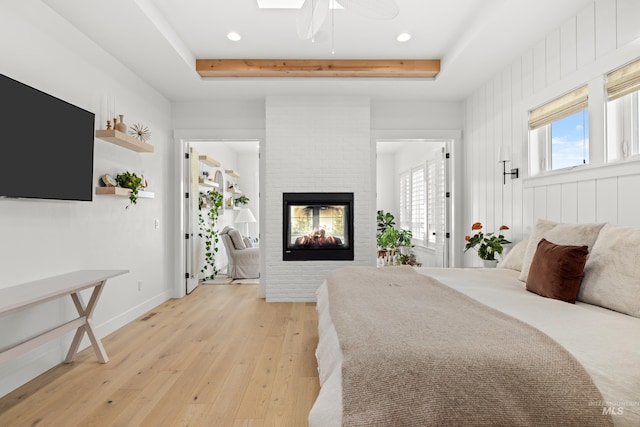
[[123, 192], [207, 183]]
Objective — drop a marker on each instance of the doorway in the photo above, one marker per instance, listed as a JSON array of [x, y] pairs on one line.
[[231, 168], [414, 185]]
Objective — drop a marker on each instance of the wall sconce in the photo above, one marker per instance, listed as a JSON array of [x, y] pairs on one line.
[[503, 156], [514, 172]]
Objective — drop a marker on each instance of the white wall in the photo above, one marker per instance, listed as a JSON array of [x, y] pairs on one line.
[[223, 119], [40, 239], [600, 38], [336, 156]]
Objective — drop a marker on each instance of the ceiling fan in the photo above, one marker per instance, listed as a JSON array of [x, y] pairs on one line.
[[313, 13]]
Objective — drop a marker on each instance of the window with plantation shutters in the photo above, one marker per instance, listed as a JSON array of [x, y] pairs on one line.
[[413, 199], [431, 200], [404, 220], [418, 203]]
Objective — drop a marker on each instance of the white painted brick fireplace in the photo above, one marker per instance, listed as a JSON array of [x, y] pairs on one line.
[[315, 144]]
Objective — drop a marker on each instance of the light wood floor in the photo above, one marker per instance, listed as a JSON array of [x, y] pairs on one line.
[[218, 357]]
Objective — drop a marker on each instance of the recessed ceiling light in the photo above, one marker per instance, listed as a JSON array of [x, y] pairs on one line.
[[404, 37], [233, 36]]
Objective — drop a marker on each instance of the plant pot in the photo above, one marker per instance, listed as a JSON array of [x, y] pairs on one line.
[[490, 263]]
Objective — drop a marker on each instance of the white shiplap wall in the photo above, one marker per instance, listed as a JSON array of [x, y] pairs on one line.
[[600, 38]]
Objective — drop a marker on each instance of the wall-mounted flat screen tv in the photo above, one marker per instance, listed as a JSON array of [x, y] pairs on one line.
[[46, 145]]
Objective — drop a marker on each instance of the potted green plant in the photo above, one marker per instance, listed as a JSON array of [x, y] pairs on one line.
[[209, 207], [487, 245], [393, 242], [132, 182], [241, 201]]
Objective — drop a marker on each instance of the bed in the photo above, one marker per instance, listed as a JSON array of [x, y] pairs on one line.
[[556, 363]]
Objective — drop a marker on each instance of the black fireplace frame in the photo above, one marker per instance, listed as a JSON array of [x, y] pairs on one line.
[[317, 254]]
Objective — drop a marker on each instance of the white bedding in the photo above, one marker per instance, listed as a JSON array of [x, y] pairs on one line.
[[605, 342]]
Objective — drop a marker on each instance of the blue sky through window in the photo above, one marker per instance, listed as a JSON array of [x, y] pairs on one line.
[[570, 141]]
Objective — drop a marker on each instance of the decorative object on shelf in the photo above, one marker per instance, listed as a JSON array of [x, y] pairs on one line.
[[232, 187], [121, 126], [241, 201], [139, 131], [489, 245], [109, 181], [230, 202], [208, 212], [124, 140], [132, 182], [108, 124], [143, 181]]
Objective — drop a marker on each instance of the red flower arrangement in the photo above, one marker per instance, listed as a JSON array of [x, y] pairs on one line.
[[487, 245]]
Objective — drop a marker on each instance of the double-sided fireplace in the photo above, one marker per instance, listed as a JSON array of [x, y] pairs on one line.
[[317, 226]]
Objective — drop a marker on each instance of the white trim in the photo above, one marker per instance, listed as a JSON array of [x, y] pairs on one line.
[[583, 173], [181, 137]]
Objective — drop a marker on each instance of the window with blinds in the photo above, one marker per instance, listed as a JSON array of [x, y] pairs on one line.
[[559, 132], [623, 112]]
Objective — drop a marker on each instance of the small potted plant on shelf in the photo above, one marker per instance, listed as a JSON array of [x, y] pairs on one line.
[[487, 245], [132, 182], [241, 201]]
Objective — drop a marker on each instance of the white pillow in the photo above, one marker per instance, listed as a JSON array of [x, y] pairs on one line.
[[248, 243], [514, 258], [560, 234], [612, 275]]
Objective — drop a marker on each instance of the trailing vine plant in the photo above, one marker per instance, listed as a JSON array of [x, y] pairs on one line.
[[208, 212], [132, 182]]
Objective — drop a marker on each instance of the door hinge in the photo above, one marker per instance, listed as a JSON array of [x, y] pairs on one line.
[[447, 194], [446, 156], [186, 156], [186, 236], [186, 275], [447, 235], [186, 195]]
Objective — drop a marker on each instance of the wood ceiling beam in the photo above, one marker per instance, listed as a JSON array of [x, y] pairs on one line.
[[378, 68]]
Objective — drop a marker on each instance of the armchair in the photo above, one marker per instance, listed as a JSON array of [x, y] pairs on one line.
[[244, 262]]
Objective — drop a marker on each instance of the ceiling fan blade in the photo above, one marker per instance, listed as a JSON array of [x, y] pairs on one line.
[[311, 17], [374, 9]]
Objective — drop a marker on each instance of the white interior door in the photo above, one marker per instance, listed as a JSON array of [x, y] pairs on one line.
[[441, 208], [192, 242]]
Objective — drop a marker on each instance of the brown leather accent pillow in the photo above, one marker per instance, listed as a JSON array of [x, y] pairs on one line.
[[557, 270]]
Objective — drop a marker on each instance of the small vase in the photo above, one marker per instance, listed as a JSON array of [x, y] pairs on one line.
[[120, 126], [490, 263]]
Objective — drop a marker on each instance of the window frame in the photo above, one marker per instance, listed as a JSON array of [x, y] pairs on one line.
[[541, 120]]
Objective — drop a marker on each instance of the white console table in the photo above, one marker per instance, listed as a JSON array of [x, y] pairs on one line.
[[19, 297]]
